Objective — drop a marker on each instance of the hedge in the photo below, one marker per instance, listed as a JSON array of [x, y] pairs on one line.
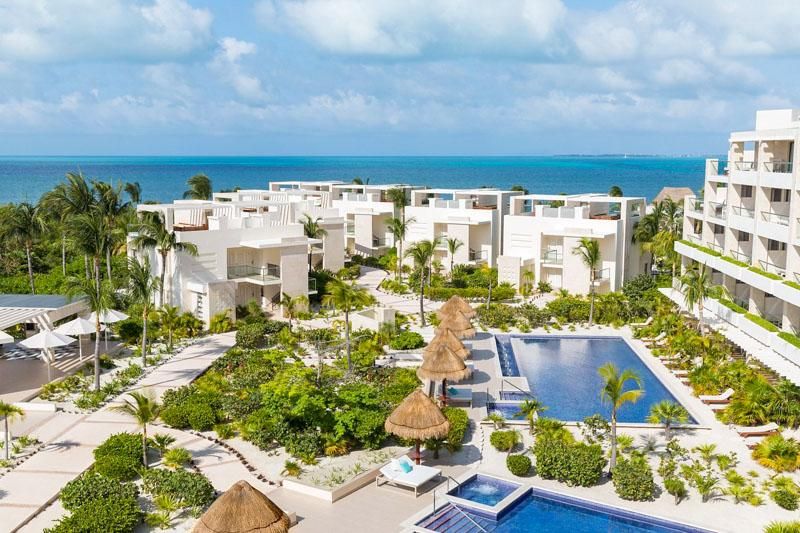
[[92, 486], [633, 479], [792, 339], [110, 515], [574, 464], [705, 249], [502, 292], [459, 423], [407, 340], [119, 456], [519, 465], [735, 261], [732, 306], [763, 322], [191, 488], [504, 441], [792, 284], [764, 273]]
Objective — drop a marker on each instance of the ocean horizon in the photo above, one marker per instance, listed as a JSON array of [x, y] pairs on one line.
[[163, 178]]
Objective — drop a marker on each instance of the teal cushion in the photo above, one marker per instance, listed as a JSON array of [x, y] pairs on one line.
[[405, 467], [452, 390]]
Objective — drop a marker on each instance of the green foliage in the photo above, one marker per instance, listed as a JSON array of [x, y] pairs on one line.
[[504, 440], [734, 261], [130, 331], [176, 457], [91, 486], [188, 407], [763, 322], [633, 479], [292, 469], [518, 464], [250, 336], [792, 284], [119, 457], [785, 498], [569, 309], [496, 315], [407, 340], [783, 527], [791, 338], [576, 464], [459, 423], [191, 488], [110, 515], [676, 488], [778, 453], [732, 306], [764, 273], [220, 323], [501, 292]]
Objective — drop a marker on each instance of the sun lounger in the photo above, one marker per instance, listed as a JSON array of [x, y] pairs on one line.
[[415, 478], [660, 336], [459, 395], [718, 406], [760, 431], [752, 442], [680, 373], [643, 324], [725, 397]]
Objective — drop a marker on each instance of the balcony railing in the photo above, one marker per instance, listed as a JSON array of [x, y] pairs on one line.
[[716, 210], [744, 165], [772, 268], [777, 166], [268, 272], [553, 257], [775, 218], [692, 203], [719, 167], [743, 211], [741, 256], [478, 256], [602, 274], [714, 246], [697, 238], [312, 286]]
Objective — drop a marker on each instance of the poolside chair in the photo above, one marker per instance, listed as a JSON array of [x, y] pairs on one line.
[[459, 395], [657, 338], [725, 397], [753, 442], [680, 373], [758, 431], [416, 476], [643, 324]]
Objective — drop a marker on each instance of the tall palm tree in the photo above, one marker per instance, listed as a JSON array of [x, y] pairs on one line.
[[528, 279], [398, 197], [99, 298], [142, 287], [24, 224], [144, 409], [667, 413], [9, 412], [312, 228], [291, 305], [616, 394], [453, 245], [530, 409], [696, 287], [398, 227], [346, 297], [169, 316], [154, 235], [421, 253], [134, 192], [90, 234], [70, 199], [112, 207], [589, 251], [199, 188]]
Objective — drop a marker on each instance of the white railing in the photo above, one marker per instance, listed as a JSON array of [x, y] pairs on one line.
[[772, 268], [775, 218], [740, 256], [743, 211]]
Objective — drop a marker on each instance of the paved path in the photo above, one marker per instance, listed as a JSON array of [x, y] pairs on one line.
[[70, 440], [408, 303]]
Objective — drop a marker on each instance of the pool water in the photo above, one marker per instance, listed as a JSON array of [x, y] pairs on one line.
[[562, 374], [485, 490]]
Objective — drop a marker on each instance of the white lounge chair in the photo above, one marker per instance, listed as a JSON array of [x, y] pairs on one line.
[[680, 373], [643, 324], [753, 442], [459, 395], [659, 337], [758, 431], [415, 478], [725, 397]]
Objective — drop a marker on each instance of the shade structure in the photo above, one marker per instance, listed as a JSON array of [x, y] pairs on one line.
[[5, 338], [109, 316], [79, 326], [446, 337], [45, 340], [417, 418], [240, 509], [442, 363], [458, 303], [458, 324]]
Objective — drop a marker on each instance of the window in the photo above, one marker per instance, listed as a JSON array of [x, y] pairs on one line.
[[774, 246], [747, 191], [779, 195], [719, 230], [743, 236]]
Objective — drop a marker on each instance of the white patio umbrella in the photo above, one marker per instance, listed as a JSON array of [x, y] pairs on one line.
[[79, 326], [5, 338], [44, 341], [107, 317]]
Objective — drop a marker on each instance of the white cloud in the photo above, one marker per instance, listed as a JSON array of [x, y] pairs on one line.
[[74, 30], [226, 63]]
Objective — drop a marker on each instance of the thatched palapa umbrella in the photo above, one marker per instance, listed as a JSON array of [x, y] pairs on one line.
[[242, 509], [443, 364], [457, 303], [417, 418], [457, 323], [446, 337]]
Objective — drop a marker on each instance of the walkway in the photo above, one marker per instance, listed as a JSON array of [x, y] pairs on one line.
[[71, 438], [408, 303]]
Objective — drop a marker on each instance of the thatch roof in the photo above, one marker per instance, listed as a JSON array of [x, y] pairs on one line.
[[446, 337], [458, 324], [418, 418], [242, 509], [676, 194], [459, 304], [441, 364]]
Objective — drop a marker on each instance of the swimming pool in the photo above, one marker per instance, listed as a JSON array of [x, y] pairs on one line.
[[562, 373], [484, 490]]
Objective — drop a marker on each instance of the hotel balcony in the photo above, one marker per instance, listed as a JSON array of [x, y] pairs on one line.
[[717, 170], [743, 172], [350, 229], [552, 258], [268, 274], [772, 268], [378, 242], [742, 218], [774, 226], [744, 257], [693, 206], [776, 174], [716, 211], [602, 276], [478, 257]]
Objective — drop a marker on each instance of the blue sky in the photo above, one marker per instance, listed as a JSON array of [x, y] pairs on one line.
[[369, 77]]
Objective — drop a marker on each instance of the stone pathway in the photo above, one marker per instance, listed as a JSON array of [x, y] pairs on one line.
[[70, 439]]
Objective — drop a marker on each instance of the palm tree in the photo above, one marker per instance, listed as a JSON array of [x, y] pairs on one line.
[[346, 297], [398, 197], [134, 192], [453, 244], [111, 207], [99, 298], [9, 412], [24, 224], [531, 409], [528, 279], [143, 408], [313, 230], [589, 251], [199, 187], [614, 392], [142, 287], [169, 316], [696, 287], [291, 305], [421, 253], [153, 234], [667, 413], [398, 227], [615, 191]]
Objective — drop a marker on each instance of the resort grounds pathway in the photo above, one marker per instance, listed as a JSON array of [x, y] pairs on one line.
[[70, 439]]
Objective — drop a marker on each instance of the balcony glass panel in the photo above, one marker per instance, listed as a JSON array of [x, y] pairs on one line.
[[743, 211], [774, 218]]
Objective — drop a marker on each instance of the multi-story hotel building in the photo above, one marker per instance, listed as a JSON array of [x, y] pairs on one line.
[[542, 231]]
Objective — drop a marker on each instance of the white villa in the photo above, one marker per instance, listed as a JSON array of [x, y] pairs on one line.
[[251, 246], [542, 231]]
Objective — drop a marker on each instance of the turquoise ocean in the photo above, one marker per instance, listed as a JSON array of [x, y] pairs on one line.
[[164, 178]]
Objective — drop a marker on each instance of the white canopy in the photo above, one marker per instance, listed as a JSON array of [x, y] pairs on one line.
[[5, 338], [79, 326], [109, 317], [46, 339]]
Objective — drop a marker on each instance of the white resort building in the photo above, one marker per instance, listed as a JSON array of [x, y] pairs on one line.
[[746, 227], [251, 246], [542, 231]]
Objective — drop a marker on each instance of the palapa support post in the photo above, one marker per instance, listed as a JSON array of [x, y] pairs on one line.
[[444, 392], [416, 455]]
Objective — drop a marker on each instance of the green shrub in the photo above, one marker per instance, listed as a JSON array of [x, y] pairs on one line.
[[191, 488], [91, 486], [496, 315], [304, 444], [91, 399], [201, 417], [633, 479], [571, 463], [791, 338], [176, 457], [119, 456], [736, 262], [459, 423], [763, 322], [130, 331], [585, 465], [764, 273], [118, 467], [569, 308], [109, 515], [783, 527], [519, 465], [407, 340], [504, 440], [675, 487], [251, 336], [785, 498], [732, 306], [501, 292]]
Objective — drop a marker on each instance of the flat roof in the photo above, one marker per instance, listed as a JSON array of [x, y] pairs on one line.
[[18, 308], [38, 301]]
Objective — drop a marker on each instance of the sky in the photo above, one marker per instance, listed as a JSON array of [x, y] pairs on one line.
[[390, 77]]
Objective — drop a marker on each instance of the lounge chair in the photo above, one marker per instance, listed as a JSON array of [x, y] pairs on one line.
[[414, 478], [725, 397], [643, 324], [758, 431], [459, 395], [752, 442], [659, 337], [680, 373]]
